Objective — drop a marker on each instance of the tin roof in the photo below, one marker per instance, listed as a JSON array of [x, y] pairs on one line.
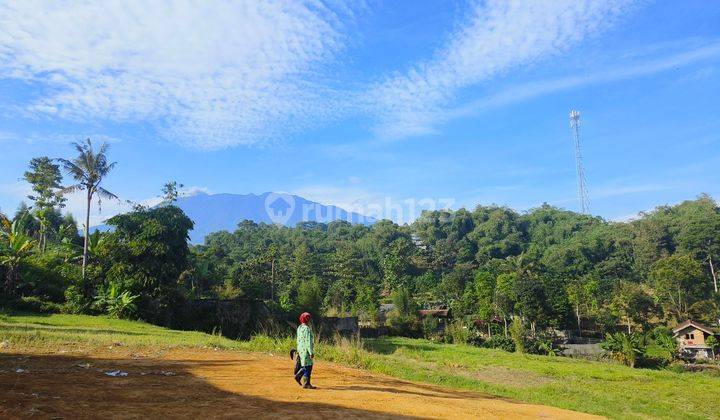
[[691, 323]]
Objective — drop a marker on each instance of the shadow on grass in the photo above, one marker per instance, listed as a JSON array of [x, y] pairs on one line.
[[9, 312], [50, 386]]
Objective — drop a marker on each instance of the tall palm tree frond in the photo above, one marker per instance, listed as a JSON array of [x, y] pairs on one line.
[[89, 168], [102, 192]]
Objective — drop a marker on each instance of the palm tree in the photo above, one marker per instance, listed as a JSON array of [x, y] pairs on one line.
[[15, 246], [89, 169]]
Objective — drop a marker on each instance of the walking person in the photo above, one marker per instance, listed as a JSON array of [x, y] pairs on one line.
[[305, 351]]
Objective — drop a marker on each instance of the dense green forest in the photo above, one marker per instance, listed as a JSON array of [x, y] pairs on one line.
[[546, 267], [549, 266]]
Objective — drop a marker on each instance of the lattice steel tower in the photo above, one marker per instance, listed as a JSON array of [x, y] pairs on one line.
[[582, 183]]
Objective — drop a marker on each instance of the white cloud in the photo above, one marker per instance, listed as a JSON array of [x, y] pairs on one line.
[[499, 36], [534, 89], [71, 138], [100, 212], [12, 194], [76, 203], [618, 189], [208, 74]]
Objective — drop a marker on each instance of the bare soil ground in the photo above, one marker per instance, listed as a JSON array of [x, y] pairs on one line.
[[210, 384]]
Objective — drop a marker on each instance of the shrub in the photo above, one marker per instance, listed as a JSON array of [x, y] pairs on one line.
[[544, 345], [36, 304], [663, 348], [713, 343], [518, 334], [457, 332], [500, 342], [625, 348], [117, 304], [430, 328]]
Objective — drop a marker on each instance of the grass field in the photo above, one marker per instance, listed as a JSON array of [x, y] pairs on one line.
[[593, 387]]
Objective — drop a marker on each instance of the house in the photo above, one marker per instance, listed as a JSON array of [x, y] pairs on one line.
[[440, 316], [434, 313], [691, 337]]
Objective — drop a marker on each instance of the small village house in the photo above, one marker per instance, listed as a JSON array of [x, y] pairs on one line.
[[691, 337], [441, 316]]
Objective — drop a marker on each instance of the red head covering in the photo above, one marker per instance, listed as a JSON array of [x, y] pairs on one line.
[[304, 318]]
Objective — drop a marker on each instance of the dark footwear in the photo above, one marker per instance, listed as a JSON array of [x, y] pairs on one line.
[[308, 385], [298, 378]]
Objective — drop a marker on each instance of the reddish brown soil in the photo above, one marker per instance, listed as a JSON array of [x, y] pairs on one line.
[[209, 384]]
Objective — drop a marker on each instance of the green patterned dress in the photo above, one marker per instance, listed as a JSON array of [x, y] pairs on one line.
[[305, 345]]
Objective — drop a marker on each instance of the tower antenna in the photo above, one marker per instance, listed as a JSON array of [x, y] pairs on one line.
[[582, 183]]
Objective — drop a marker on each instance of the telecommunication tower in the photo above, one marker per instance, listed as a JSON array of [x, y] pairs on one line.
[[582, 183]]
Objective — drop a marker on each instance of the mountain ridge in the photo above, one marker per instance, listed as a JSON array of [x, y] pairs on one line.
[[224, 211]]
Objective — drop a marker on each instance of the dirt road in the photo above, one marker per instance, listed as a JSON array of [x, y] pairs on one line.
[[209, 384]]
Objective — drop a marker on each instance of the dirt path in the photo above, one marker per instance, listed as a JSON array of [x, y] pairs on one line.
[[210, 384]]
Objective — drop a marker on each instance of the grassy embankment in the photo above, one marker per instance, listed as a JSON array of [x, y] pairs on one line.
[[601, 388]]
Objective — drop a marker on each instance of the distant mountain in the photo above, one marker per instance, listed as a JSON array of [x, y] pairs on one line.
[[215, 212]]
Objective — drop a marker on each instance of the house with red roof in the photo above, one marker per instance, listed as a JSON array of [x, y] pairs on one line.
[[691, 337]]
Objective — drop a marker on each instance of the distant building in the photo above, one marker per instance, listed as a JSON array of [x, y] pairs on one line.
[[434, 313], [441, 316], [691, 337]]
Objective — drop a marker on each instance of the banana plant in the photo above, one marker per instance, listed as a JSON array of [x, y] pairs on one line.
[[117, 304], [15, 246]]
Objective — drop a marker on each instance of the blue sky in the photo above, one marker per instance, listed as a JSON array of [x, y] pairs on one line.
[[372, 105]]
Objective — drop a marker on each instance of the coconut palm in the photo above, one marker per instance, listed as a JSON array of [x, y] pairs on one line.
[[89, 169], [15, 246]]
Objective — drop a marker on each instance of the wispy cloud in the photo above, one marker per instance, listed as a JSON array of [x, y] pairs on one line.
[[615, 190], [544, 87], [207, 74], [499, 36], [100, 210]]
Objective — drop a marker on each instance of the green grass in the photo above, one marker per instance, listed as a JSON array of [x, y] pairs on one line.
[[593, 387], [52, 332]]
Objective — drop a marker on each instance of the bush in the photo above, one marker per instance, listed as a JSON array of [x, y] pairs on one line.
[[404, 326], [46, 275], [500, 342], [117, 304], [36, 304], [518, 334], [662, 348], [713, 343], [430, 328], [457, 332], [542, 344], [625, 348]]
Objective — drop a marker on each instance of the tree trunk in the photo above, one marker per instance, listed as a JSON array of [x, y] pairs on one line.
[[272, 280], [10, 280], [712, 270], [87, 232], [577, 315], [505, 321], [41, 241]]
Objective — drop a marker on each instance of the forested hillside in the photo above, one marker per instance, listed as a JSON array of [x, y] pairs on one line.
[[550, 266], [547, 267]]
